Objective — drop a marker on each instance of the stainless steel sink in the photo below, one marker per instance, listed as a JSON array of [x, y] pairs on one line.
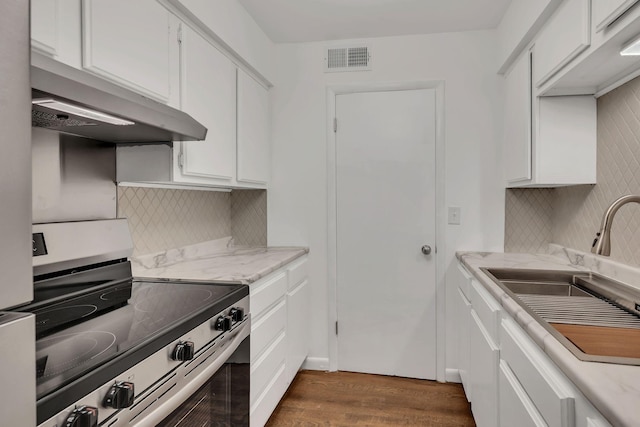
[[572, 298], [553, 289], [539, 282]]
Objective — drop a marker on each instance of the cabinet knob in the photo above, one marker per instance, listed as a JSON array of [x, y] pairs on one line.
[[426, 249]]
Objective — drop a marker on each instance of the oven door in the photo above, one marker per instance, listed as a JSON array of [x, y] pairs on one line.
[[210, 390], [222, 401]]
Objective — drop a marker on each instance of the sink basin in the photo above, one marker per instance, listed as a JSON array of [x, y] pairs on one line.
[[593, 316], [539, 282], [556, 289]]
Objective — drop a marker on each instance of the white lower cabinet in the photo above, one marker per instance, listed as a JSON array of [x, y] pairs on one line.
[[509, 379], [515, 407], [279, 307], [297, 327], [545, 384], [483, 374], [464, 317]]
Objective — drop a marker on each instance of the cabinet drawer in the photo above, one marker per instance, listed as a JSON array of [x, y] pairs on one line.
[[267, 366], [483, 374], [266, 293], [464, 281], [298, 272], [264, 405], [464, 314], [267, 328], [297, 328], [514, 406], [487, 309], [564, 37], [547, 387]]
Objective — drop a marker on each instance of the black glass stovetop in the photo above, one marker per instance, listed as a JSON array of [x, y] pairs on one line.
[[155, 308]]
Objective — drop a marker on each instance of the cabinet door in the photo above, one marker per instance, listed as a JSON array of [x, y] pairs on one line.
[[517, 123], [44, 26], [607, 11], [464, 319], [129, 43], [56, 30], [515, 407], [565, 36], [483, 374], [208, 92], [253, 131], [297, 328]]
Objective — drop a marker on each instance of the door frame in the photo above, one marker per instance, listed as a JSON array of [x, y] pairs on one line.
[[439, 253]]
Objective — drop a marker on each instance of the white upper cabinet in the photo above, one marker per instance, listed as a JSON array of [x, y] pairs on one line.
[[56, 30], [129, 43], [565, 36], [44, 26], [253, 131], [607, 11], [548, 141], [517, 120], [208, 94], [520, 23]]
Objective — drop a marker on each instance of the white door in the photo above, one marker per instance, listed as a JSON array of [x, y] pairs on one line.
[[385, 167]]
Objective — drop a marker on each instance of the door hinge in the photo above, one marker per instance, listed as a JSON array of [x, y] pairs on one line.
[[335, 124], [179, 34], [336, 327], [181, 160]]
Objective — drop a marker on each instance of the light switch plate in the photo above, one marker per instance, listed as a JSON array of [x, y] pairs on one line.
[[454, 215]]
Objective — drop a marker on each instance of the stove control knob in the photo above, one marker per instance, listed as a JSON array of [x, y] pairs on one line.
[[119, 396], [236, 314], [82, 416], [223, 323], [184, 351]]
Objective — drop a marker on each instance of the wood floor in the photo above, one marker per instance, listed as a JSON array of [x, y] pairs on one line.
[[348, 399]]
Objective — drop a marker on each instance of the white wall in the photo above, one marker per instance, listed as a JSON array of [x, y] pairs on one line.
[[297, 204]]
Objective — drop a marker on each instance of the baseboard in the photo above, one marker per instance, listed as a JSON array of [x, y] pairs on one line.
[[316, 363], [452, 376]]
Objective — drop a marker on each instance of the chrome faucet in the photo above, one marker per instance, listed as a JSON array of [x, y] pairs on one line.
[[602, 243]]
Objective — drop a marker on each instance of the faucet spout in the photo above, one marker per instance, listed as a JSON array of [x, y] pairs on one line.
[[602, 243]]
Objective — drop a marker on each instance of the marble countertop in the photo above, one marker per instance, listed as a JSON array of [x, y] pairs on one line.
[[216, 260], [613, 389]]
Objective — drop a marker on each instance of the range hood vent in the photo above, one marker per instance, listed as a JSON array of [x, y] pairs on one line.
[[73, 101]]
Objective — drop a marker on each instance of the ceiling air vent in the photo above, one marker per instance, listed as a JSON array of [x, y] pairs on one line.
[[357, 58]]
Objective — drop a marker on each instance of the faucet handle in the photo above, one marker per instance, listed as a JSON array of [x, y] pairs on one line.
[[595, 241]]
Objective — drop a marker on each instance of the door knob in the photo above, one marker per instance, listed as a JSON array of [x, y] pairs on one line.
[[426, 249]]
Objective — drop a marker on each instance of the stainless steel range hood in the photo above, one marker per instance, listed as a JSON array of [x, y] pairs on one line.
[[69, 100]]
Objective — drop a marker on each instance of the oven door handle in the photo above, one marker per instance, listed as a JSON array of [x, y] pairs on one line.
[[166, 408]]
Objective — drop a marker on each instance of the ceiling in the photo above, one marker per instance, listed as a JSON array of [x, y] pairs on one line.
[[292, 21]]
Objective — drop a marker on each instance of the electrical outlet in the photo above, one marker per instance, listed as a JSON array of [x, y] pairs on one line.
[[454, 215]]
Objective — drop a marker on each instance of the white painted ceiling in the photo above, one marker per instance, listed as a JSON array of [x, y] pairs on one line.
[[314, 20]]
